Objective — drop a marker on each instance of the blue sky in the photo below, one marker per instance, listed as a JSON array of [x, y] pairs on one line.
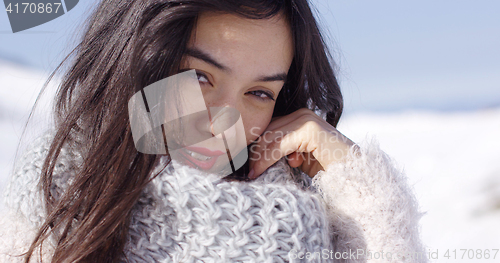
[[416, 54], [392, 55]]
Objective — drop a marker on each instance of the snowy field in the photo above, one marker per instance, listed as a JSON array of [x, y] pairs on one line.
[[452, 160]]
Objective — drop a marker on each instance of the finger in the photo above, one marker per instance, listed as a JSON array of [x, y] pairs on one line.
[[310, 165], [295, 159], [264, 154], [261, 148]]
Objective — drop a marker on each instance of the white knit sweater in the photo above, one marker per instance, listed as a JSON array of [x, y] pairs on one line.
[[352, 209]]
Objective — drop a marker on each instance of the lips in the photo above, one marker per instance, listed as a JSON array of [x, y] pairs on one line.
[[200, 157], [204, 151]]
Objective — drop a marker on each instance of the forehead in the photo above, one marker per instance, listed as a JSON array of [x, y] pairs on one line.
[[235, 40]]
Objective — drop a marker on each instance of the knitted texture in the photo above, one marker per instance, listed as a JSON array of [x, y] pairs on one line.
[[184, 215], [23, 198], [15, 233]]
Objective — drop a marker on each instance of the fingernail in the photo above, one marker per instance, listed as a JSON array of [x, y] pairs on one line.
[[251, 173]]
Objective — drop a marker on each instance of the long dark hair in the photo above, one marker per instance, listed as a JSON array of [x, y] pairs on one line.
[[126, 46]]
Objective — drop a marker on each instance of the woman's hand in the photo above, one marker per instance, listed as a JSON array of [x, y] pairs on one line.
[[308, 141]]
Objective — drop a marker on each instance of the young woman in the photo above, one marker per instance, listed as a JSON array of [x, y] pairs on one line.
[[84, 193]]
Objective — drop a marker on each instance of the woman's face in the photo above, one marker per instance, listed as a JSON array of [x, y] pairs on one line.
[[241, 63]]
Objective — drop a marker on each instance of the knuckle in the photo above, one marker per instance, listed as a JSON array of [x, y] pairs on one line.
[[310, 124], [304, 111], [303, 119]]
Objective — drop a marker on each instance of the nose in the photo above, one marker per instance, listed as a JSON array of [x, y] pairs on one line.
[[222, 112], [223, 121], [218, 120]]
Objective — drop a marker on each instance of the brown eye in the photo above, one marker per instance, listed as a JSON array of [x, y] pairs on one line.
[[262, 95], [202, 78]]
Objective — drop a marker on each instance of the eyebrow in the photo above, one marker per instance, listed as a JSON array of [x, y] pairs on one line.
[[199, 54], [275, 77]]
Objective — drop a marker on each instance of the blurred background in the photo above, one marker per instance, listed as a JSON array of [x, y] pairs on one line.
[[421, 76]]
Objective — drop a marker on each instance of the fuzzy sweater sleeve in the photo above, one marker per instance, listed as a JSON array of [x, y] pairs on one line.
[[16, 234], [373, 212], [24, 204]]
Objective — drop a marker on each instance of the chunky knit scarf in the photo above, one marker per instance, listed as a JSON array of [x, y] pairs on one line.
[[183, 215]]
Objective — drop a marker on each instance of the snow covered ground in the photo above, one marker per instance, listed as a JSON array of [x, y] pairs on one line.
[[452, 159]]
